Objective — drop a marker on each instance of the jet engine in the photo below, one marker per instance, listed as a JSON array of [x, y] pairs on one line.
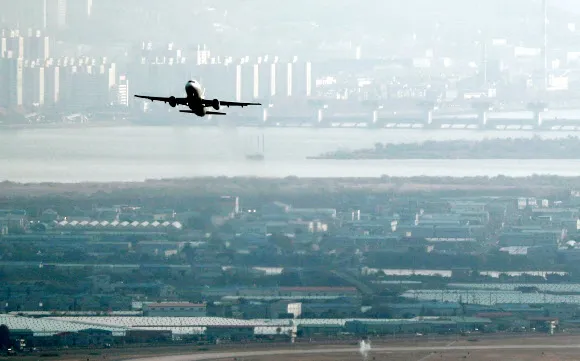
[[172, 102], [215, 104]]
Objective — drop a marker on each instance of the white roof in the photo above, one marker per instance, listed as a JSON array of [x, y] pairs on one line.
[[48, 326], [197, 325], [106, 224]]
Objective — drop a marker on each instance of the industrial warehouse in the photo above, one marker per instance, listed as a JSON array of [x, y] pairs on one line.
[[100, 330]]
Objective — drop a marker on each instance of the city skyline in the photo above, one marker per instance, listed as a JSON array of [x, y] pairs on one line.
[[48, 68]]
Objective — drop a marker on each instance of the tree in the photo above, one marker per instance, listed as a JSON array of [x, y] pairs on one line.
[[216, 243], [4, 337], [227, 228], [201, 223], [281, 241], [189, 252], [38, 227]]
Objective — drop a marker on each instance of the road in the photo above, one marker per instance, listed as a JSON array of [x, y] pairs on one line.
[[353, 350]]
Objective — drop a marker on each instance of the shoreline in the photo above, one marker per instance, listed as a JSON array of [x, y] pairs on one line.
[[437, 158], [210, 186], [194, 123], [107, 124], [535, 148]]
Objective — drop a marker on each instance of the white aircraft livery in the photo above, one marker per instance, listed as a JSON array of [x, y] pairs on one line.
[[196, 101]]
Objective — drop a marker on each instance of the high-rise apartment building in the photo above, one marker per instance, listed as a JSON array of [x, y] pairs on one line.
[[266, 78], [4, 81], [15, 45], [37, 46], [24, 14], [78, 13], [123, 91], [300, 78], [14, 82], [33, 84], [52, 85], [3, 47], [56, 14]]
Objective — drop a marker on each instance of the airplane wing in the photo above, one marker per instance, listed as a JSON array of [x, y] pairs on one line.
[[178, 101], [209, 102]]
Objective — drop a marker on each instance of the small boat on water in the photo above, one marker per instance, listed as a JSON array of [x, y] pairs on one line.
[[260, 154], [255, 157]]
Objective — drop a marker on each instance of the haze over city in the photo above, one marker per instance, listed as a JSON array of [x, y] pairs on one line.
[[385, 180]]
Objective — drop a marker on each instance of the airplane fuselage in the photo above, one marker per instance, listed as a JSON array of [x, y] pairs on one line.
[[194, 92]]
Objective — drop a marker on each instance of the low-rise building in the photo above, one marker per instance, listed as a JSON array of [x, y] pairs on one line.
[[283, 309], [174, 309], [323, 329], [319, 291], [234, 333], [410, 310]]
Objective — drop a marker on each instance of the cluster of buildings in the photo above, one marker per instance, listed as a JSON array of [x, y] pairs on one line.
[[361, 82], [49, 15], [182, 272], [516, 225], [45, 329], [165, 69], [531, 227], [33, 80]]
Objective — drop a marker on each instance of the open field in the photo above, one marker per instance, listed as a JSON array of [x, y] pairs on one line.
[[478, 355], [560, 347]]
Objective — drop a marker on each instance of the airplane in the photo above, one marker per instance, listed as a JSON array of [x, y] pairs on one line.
[[195, 100]]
